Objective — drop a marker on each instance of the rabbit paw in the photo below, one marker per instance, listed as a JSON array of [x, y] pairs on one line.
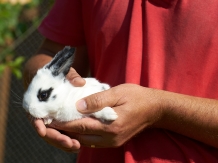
[[106, 114], [47, 121]]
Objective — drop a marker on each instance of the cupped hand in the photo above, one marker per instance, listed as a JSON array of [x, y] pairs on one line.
[[53, 136], [137, 108], [56, 138]]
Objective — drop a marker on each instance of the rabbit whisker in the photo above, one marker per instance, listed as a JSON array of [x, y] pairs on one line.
[[16, 95], [16, 102]]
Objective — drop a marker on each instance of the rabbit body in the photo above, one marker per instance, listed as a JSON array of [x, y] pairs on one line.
[[51, 96]]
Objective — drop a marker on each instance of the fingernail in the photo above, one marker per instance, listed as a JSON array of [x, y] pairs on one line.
[[81, 105], [78, 81]]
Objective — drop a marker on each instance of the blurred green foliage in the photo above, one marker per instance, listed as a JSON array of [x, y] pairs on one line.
[[15, 19]]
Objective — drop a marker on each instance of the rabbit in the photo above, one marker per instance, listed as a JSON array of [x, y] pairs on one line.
[[50, 96]]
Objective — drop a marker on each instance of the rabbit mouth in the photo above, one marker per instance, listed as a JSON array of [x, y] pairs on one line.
[[46, 121]]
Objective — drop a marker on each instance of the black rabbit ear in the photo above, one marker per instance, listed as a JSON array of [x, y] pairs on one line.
[[62, 61]]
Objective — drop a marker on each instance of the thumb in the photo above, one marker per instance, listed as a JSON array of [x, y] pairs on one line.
[[74, 78], [96, 102], [40, 127]]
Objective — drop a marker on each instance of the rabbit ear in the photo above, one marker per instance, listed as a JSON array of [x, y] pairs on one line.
[[62, 61]]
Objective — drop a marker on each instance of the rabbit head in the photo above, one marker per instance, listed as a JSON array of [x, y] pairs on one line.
[[47, 91]]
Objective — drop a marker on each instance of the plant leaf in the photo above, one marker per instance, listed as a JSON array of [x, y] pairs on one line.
[[17, 73]]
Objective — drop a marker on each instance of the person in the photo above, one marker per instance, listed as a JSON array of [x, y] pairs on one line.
[[160, 58]]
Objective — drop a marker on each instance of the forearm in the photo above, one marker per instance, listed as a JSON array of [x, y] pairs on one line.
[[81, 61], [32, 65], [191, 116]]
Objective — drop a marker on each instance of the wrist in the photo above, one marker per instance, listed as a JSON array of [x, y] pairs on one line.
[[153, 107], [172, 106], [161, 106]]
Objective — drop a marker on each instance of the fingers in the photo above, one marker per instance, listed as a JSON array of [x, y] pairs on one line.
[[87, 140], [75, 79], [81, 126], [55, 138], [40, 127], [98, 101], [90, 140], [61, 141], [87, 131]]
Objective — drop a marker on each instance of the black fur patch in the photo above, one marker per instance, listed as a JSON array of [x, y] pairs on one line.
[[103, 88], [43, 95]]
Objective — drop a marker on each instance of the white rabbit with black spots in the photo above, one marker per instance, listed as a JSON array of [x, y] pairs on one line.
[[50, 96]]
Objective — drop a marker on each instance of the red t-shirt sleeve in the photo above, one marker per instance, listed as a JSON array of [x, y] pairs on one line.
[[64, 23]]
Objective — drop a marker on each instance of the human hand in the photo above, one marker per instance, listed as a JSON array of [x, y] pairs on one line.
[[53, 136], [137, 108]]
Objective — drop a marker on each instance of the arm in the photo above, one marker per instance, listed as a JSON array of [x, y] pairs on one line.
[[191, 116]]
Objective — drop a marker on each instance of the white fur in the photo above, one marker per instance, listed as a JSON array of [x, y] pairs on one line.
[[62, 108]]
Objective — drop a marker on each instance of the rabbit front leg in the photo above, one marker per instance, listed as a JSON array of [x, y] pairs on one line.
[[47, 121], [106, 114]]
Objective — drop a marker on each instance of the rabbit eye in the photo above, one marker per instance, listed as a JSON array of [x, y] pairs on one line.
[[43, 95]]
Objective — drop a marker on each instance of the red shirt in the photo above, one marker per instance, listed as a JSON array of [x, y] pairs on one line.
[[164, 44]]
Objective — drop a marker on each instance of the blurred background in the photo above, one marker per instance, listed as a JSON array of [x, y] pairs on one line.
[[19, 40]]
